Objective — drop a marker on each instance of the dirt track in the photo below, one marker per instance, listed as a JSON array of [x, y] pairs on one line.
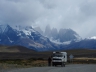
[[68, 68]]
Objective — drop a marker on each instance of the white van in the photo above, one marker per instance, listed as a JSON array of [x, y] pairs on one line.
[[59, 58]]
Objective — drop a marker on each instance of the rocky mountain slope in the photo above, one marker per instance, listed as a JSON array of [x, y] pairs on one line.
[[25, 36], [61, 36], [32, 39]]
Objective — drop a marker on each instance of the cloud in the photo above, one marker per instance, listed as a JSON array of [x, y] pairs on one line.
[[19, 12], [79, 15]]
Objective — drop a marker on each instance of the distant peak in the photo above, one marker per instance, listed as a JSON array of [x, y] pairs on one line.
[[28, 27], [4, 28], [4, 25]]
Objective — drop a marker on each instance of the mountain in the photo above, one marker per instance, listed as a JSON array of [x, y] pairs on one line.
[[54, 34], [67, 35], [39, 30], [7, 35], [47, 31], [61, 36], [87, 43], [15, 49], [25, 36]]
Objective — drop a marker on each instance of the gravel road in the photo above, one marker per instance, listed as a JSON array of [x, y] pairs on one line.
[[68, 68]]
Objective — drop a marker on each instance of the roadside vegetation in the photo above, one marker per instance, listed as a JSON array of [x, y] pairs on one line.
[[11, 60], [40, 62], [84, 60], [21, 63]]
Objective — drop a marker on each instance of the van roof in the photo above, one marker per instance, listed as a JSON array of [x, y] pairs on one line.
[[59, 52]]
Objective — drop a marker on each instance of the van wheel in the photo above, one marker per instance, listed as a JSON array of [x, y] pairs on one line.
[[55, 65], [52, 64], [63, 65]]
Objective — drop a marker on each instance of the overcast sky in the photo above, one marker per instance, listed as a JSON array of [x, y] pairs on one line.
[[79, 15]]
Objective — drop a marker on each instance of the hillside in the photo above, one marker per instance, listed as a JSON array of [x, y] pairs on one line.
[[19, 52], [82, 52], [25, 36], [15, 49]]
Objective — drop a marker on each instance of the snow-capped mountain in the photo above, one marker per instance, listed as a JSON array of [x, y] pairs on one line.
[[30, 38], [7, 35], [63, 36], [24, 36], [87, 43]]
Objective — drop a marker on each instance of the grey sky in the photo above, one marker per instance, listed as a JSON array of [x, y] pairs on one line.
[[79, 15]]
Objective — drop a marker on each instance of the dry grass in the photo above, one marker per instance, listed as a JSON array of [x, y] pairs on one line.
[[5, 66], [13, 64], [85, 58], [39, 63]]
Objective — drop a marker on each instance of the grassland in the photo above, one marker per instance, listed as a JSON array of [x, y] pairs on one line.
[[15, 64], [27, 63], [21, 57]]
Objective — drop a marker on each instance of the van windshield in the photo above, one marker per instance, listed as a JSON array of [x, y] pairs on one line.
[[57, 55]]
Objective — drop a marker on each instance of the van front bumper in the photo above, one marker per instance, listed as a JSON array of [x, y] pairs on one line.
[[56, 63]]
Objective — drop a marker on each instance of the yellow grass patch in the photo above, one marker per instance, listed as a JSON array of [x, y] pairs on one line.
[[84, 58]]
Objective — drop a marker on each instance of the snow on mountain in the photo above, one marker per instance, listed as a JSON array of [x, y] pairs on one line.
[[67, 42], [3, 28], [28, 37], [94, 37], [10, 40], [61, 36], [26, 29], [25, 36], [58, 42], [7, 35], [77, 37]]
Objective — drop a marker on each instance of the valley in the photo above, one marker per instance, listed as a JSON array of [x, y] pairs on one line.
[[14, 57], [20, 52]]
